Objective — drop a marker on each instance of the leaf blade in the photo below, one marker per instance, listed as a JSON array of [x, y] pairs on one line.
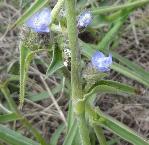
[[9, 117], [115, 126], [111, 87], [56, 135], [123, 131], [56, 62], [14, 138], [129, 73], [71, 134]]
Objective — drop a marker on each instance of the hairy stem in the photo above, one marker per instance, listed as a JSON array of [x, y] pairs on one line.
[[76, 88]]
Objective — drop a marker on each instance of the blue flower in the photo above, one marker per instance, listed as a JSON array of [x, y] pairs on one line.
[[84, 20], [40, 21], [101, 62]]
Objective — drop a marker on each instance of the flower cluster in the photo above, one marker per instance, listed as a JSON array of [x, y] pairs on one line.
[[84, 20], [40, 21], [101, 62]]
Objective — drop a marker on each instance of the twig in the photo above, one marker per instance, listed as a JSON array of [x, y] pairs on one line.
[[134, 30], [53, 99]]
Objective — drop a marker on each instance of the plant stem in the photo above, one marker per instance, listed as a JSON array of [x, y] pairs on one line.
[[83, 130], [75, 53], [99, 133], [76, 88]]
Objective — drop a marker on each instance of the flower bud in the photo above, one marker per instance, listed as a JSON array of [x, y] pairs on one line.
[[84, 20]]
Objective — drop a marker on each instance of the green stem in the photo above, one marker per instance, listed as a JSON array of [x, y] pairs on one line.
[[75, 52], [76, 88], [83, 130], [100, 135]]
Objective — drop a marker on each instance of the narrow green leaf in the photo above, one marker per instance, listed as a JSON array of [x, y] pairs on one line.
[[56, 135], [111, 87], [122, 130], [129, 73], [131, 65], [24, 52], [103, 89], [115, 126], [56, 62], [88, 49], [70, 117], [26, 57], [14, 138], [38, 96], [71, 134], [36, 6], [120, 12], [127, 62], [93, 137], [70, 123], [11, 78], [24, 121], [123, 87], [108, 38], [103, 10], [43, 95], [9, 117], [100, 135]]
